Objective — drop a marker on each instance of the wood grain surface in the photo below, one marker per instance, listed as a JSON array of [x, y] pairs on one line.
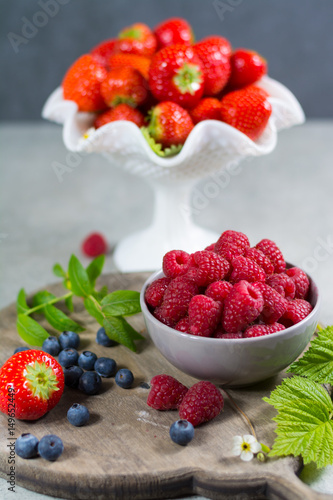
[[125, 451]]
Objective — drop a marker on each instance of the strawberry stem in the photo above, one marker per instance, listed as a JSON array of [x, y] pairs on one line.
[[188, 78]]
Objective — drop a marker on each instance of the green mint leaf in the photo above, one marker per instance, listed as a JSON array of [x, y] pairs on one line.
[[99, 296], [59, 271], [69, 303], [304, 421], [42, 297], [93, 310], [30, 331], [57, 319], [317, 362], [95, 269], [21, 302], [121, 303], [80, 283], [119, 330]]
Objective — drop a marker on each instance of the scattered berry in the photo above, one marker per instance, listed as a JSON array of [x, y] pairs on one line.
[[246, 269], [247, 66], [173, 31], [121, 112], [242, 306], [51, 345], [124, 85], [103, 339], [214, 54], [202, 402], [166, 393], [301, 281], [272, 251], [50, 447], [72, 375], [87, 360], [204, 315], [68, 357], [124, 378], [182, 432], [21, 349], [297, 310], [283, 284], [136, 39], [105, 367], [208, 108], [26, 446], [169, 124], [155, 291], [231, 244], [174, 263], [260, 330], [205, 267], [218, 290], [94, 245], [78, 415], [90, 383], [69, 339]]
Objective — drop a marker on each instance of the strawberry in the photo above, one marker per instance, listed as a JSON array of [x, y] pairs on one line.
[[120, 112], [214, 53], [247, 66], [176, 74], [248, 110], [82, 83], [140, 63], [102, 52], [31, 384], [169, 124], [124, 85], [173, 31], [137, 39], [208, 108]]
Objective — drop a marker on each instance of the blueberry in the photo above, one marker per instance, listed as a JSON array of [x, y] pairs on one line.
[[51, 346], [182, 432], [105, 367], [50, 447], [68, 357], [90, 383], [26, 446], [103, 339], [124, 378], [72, 375], [87, 360], [20, 349], [78, 415], [69, 339]]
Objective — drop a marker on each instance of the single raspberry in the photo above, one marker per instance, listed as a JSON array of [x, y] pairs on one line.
[[242, 306], [261, 330], [94, 245], [174, 263], [260, 258], [274, 304], [210, 247], [218, 290], [166, 393], [301, 281], [297, 310], [204, 315], [205, 267], [162, 317], [155, 291], [282, 284], [221, 334], [246, 269], [231, 244], [183, 325], [176, 300], [272, 251], [202, 402]]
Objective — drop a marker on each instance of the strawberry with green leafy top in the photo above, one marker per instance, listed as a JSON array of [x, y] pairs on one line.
[[124, 85], [137, 39], [31, 384], [173, 31]]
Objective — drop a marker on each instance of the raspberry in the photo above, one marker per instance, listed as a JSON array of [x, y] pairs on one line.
[[297, 310], [218, 290], [221, 334], [272, 251], [204, 315], [202, 402], [242, 306], [246, 269], [183, 325], [282, 284], [94, 245], [274, 304], [205, 267], [231, 244], [301, 281], [176, 300], [155, 291], [174, 263], [166, 393], [260, 330], [260, 258], [210, 247]]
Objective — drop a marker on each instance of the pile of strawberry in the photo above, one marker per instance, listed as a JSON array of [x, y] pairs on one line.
[[229, 290], [165, 83]]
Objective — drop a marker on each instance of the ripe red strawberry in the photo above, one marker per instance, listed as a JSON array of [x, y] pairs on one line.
[[94, 245], [120, 112], [246, 269], [137, 39], [174, 263], [176, 74], [155, 292], [261, 330], [231, 244], [208, 108], [272, 251], [173, 31], [204, 267], [248, 110], [202, 402], [140, 63], [31, 384], [124, 85], [169, 124], [204, 315], [301, 281], [102, 52], [247, 66], [214, 53], [82, 84], [166, 393], [242, 306]]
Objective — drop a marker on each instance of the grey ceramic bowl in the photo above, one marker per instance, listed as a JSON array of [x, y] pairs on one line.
[[232, 362]]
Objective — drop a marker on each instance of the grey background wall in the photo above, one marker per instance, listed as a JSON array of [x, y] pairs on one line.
[[41, 38]]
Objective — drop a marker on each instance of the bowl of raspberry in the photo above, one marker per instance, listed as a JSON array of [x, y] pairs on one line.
[[231, 313]]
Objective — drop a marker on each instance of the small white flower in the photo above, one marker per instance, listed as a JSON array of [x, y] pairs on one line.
[[245, 447]]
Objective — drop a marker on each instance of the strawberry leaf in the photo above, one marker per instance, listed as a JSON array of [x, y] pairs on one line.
[[80, 283], [30, 331], [121, 303], [155, 146]]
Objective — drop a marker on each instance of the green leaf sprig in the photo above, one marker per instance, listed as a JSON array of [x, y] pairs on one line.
[[305, 408], [108, 309]]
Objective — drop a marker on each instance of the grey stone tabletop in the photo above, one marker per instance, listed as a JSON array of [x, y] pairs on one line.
[[285, 196]]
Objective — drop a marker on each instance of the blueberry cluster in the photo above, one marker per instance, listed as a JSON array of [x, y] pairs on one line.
[[49, 447]]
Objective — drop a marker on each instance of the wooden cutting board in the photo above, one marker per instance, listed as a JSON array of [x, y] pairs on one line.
[[125, 451]]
